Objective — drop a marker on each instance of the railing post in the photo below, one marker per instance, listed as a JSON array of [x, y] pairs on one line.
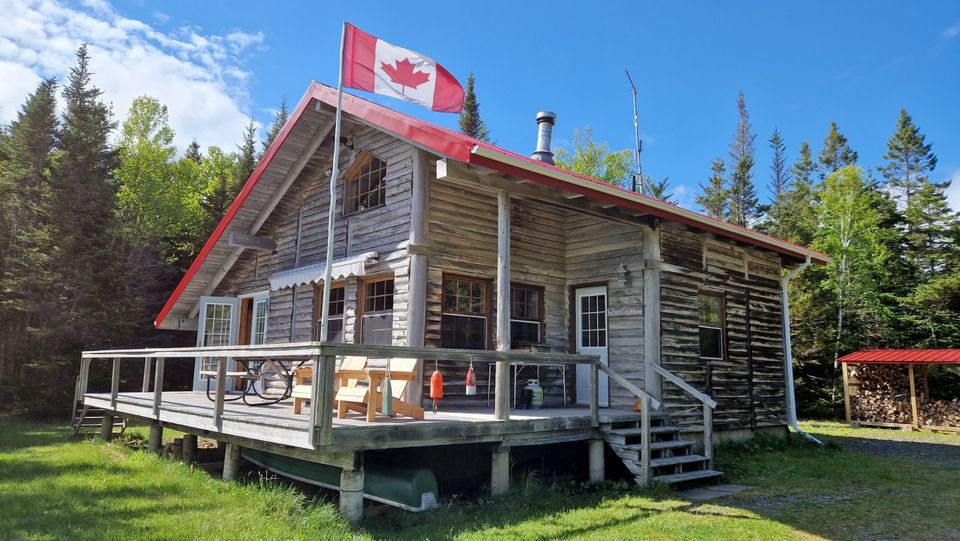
[[146, 374], [158, 388], [708, 434], [321, 400], [115, 383], [218, 404], [595, 394], [645, 440]]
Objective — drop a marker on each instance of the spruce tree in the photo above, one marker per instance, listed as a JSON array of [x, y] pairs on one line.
[[779, 185], [25, 232], [927, 216], [247, 153], [221, 186], [910, 159], [193, 152], [659, 189], [279, 120], [713, 195], [93, 287], [742, 207], [798, 218], [836, 152], [470, 122]]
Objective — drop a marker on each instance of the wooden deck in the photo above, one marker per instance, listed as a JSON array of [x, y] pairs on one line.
[[277, 425]]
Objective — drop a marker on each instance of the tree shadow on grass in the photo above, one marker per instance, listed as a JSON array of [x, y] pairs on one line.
[[938, 454], [16, 434]]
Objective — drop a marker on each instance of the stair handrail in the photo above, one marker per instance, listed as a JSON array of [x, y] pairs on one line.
[[709, 404], [628, 385], [679, 382]]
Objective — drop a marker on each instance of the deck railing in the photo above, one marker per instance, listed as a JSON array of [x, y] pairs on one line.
[[324, 355]]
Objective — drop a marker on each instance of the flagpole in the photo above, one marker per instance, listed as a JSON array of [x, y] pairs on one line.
[[328, 265]]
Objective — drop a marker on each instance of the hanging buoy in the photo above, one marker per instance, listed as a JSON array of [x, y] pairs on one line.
[[387, 393], [471, 381], [436, 387]]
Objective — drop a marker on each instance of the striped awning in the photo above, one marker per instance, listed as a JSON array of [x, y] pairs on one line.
[[312, 274]]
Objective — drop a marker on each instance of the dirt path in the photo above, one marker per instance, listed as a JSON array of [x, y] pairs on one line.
[[913, 446]]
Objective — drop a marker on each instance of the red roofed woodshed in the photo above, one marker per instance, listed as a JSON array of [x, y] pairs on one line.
[[903, 356]]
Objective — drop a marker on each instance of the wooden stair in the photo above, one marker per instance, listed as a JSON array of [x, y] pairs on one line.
[[88, 419], [672, 460]]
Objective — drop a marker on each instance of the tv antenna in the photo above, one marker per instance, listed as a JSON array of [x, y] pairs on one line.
[[638, 178]]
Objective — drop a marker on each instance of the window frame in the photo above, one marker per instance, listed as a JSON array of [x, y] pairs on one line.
[[722, 327], [487, 313], [317, 309], [362, 304], [541, 327], [353, 173]]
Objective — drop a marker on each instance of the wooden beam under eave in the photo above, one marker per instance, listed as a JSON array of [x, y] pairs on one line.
[[251, 242], [457, 172]]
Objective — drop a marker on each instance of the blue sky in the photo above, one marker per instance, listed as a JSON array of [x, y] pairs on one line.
[[800, 65]]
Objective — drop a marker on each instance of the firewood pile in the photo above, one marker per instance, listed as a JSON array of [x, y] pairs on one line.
[[883, 396]]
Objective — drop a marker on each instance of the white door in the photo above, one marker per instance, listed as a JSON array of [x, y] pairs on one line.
[[591, 336], [217, 327]]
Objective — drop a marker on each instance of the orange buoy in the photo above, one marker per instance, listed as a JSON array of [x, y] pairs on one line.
[[471, 382], [436, 388]]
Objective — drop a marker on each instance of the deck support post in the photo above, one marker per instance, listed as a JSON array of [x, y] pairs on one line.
[[502, 389], [597, 466], [913, 397], [651, 311], [500, 471], [189, 448], [231, 462], [147, 363], [155, 440], [708, 434], [106, 427], [351, 490], [417, 289]]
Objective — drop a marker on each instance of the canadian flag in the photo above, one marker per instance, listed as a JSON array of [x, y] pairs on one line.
[[376, 66]]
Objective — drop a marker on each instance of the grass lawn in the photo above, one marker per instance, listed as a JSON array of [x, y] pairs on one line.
[[52, 487]]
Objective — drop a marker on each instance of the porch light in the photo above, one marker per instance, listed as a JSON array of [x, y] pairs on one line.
[[623, 273]]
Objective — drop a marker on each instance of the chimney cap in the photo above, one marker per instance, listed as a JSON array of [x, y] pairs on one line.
[[547, 116]]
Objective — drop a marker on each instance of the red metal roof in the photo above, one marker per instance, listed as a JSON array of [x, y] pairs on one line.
[[468, 150], [902, 356]]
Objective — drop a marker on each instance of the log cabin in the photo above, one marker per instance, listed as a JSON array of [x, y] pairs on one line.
[[467, 256]]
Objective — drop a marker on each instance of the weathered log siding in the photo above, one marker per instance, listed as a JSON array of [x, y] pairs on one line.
[[749, 392], [462, 233], [384, 230], [595, 248]]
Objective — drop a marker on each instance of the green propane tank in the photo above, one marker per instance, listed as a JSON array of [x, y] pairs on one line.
[[536, 393]]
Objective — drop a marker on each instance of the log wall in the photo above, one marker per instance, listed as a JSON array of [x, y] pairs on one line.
[[303, 213], [748, 385]]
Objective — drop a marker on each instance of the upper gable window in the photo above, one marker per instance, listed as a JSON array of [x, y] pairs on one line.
[[365, 185]]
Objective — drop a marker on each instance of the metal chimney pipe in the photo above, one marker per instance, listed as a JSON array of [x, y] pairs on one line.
[[545, 122]]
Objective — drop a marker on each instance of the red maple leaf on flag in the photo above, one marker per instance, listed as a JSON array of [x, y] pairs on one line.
[[404, 75]]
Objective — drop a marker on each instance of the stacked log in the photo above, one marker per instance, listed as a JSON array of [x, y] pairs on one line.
[[882, 395]]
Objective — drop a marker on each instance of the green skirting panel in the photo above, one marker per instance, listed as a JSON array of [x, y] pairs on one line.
[[408, 487]]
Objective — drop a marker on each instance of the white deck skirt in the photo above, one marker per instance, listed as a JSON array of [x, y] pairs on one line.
[[353, 266]]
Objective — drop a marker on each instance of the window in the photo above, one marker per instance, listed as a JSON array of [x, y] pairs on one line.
[[335, 323], [364, 186], [711, 325], [218, 322], [259, 334], [526, 315], [376, 318], [463, 323], [593, 320]]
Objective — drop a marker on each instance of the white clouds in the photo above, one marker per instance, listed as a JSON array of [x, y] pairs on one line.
[[953, 192], [951, 32], [199, 77]]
